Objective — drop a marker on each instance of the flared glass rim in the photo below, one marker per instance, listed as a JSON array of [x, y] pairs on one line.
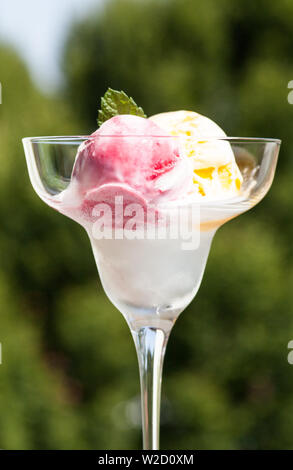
[[241, 201], [66, 139]]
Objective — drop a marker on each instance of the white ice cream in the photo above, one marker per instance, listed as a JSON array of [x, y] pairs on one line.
[[214, 172]]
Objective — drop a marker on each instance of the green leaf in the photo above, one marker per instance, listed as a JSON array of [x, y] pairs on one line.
[[117, 102]]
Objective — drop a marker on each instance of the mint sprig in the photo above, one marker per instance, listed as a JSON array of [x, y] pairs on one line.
[[117, 102]]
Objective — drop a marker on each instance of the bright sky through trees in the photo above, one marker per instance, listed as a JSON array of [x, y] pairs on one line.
[[37, 30]]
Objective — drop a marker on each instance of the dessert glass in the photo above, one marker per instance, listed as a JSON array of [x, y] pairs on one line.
[[151, 278]]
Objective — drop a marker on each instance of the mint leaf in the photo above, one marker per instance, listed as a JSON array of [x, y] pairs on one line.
[[117, 102]]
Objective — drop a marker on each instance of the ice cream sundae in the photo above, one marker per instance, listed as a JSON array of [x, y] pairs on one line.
[[125, 184], [129, 175]]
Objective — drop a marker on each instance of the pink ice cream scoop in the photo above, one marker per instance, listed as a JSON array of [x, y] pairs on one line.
[[128, 156], [124, 150]]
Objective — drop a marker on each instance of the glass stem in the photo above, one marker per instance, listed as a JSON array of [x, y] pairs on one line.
[[150, 346]]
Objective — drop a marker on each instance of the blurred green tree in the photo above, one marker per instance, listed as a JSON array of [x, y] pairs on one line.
[[36, 407]]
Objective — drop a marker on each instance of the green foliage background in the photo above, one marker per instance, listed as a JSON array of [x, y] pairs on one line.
[[69, 377]]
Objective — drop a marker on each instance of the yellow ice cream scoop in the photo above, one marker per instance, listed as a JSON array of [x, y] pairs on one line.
[[214, 171]]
